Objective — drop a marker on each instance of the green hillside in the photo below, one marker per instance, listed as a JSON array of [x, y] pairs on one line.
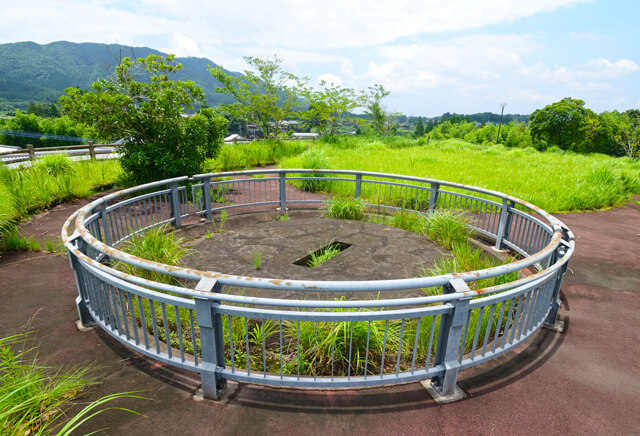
[[40, 73]]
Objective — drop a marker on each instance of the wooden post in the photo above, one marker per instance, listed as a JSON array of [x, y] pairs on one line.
[[92, 150], [32, 153]]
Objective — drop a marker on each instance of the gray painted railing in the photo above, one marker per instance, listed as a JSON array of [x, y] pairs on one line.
[[201, 323]]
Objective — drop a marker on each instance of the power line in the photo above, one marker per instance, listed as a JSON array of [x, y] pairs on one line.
[[43, 136]]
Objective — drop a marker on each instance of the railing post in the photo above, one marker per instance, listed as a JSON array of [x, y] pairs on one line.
[[174, 199], [82, 299], [433, 196], [448, 351], [206, 186], [211, 340], [32, 153], [283, 191], [105, 224], [92, 150], [358, 185], [507, 224], [552, 322], [502, 226]]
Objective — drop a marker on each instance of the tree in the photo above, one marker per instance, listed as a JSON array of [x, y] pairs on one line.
[[562, 123], [419, 131], [381, 119], [159, 140], [267, 97], [628, 136], [329, 106]]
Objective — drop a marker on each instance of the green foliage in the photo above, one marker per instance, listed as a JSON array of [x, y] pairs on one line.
[[446, 228], [406, 220], [159, 142], [63, 126], [256, 259], [562, 123], [317, 258], [221, 221], [267, 98], [13, 241], [556, 182], [158, 245], [314, 159], [45, 184], [337, 339], [419, 130], [54, 164], [33, 397], [50, 110], [344, 208], [467, 257], [329, 107], [382, 121], [253, 154]]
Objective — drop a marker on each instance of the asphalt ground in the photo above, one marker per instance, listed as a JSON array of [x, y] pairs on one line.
[[585, 380]]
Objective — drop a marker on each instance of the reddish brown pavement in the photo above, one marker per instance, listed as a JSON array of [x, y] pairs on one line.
[[583, 381]]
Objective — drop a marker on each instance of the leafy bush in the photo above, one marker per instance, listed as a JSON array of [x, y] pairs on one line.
[[158, 142]]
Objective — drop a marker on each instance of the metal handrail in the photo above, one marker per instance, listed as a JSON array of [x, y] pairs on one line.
[[524, 304]]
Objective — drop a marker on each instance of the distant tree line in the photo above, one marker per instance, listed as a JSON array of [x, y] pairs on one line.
[[30, 122]]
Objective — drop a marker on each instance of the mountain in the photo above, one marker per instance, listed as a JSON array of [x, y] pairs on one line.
[[40, 73]]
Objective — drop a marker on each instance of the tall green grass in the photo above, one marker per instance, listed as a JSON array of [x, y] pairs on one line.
[[157, 244], [344, 208], [34, 398], [253, 154], [49, 181], [555, 182]]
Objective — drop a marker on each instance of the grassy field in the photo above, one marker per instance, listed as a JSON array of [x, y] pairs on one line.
[[557, 182]]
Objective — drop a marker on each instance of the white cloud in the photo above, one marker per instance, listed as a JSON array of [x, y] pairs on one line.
[[281, 23], [329, 78], [182, 46], [595, 69]]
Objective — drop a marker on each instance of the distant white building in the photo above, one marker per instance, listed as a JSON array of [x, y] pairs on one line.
[[305, 136], [233, 138]]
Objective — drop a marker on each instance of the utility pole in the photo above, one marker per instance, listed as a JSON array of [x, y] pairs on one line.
[[500, 125]]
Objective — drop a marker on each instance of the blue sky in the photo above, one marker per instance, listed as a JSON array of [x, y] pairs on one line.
[[460, 56]]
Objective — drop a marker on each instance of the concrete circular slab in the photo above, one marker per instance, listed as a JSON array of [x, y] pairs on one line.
[[376, 251]]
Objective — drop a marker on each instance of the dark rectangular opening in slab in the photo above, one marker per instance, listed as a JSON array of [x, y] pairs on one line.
[[321, 255]]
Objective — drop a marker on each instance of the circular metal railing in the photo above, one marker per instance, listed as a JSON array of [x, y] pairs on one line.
[[194, 320]]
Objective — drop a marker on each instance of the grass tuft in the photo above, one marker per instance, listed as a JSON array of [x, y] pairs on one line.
[[34, 398], [344, 208], [158, 245], [446, 228]]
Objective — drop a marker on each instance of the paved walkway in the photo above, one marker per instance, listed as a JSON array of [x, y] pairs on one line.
[[584, 381]]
